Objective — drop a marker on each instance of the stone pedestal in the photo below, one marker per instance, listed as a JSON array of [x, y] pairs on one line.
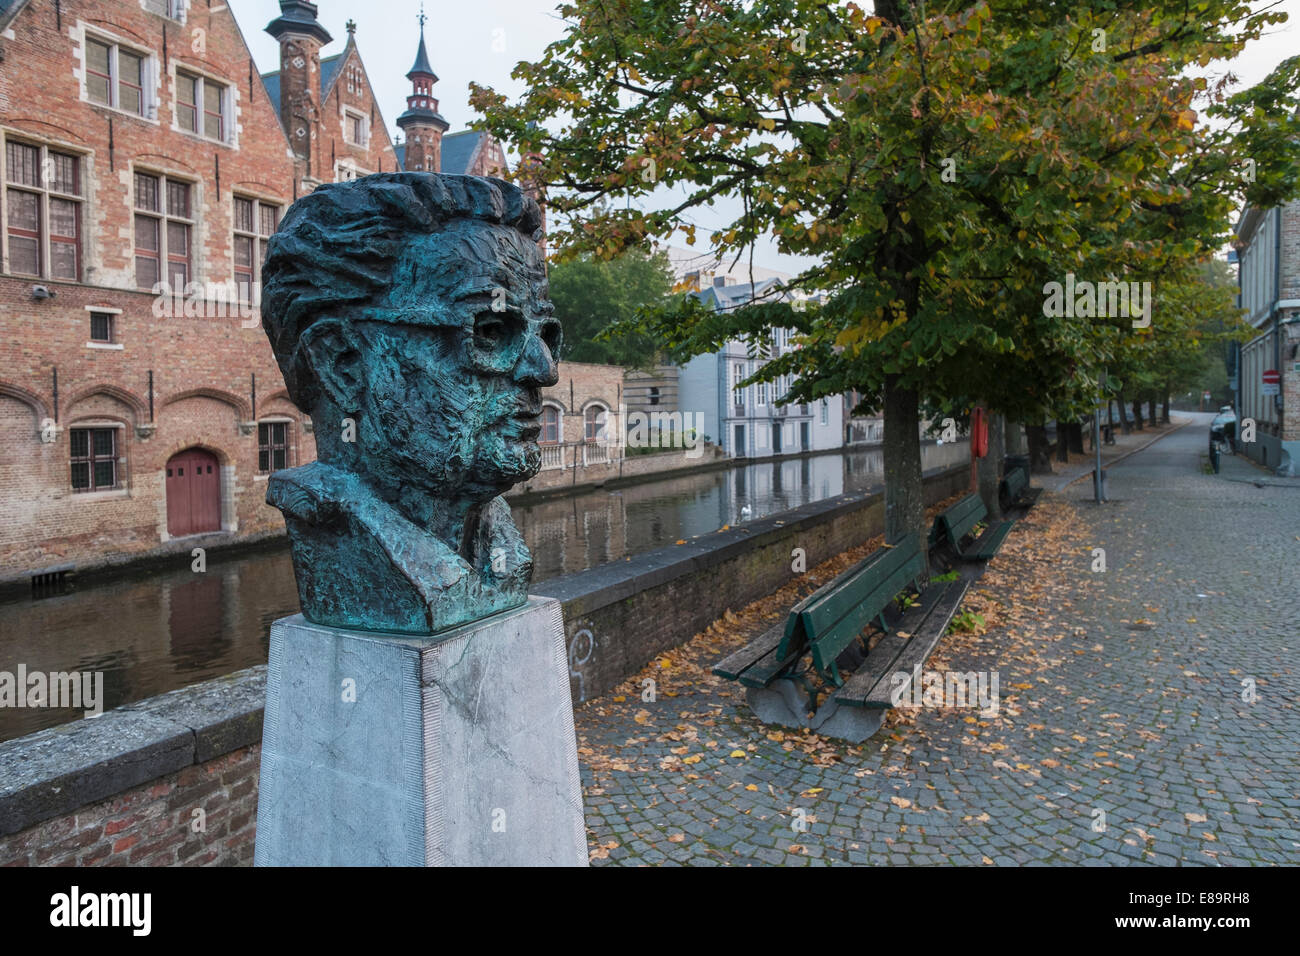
[[451, 750]]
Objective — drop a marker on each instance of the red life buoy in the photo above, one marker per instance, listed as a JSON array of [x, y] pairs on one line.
[[979, 433]]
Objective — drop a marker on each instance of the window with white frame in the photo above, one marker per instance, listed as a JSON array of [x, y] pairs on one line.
[[171, 9], [594, 419], [762, 394], [550, 434], [164, 227], [254, 222], [101, 327], [93, 459], [43, 211], [738, 376], [356, 128], [118, 76], [272, 446], [202, 105]]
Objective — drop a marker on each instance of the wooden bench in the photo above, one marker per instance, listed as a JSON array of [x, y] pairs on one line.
[[956, 524], [1015, 490], [824, 624]]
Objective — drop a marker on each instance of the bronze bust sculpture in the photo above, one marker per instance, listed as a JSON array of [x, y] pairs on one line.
[[409, 315]]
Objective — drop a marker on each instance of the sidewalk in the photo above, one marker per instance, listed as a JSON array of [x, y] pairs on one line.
[[1078, 467], [1147, 714], [1240, 468]]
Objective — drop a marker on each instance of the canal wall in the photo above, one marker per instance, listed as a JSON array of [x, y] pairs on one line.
[[618, 469], [172, 780], [619, 616]]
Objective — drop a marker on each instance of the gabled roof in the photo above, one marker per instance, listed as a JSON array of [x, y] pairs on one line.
[[458, 151], [734, 296]]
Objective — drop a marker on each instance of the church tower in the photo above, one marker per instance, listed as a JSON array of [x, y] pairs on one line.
[[421, 123], [301, 37]]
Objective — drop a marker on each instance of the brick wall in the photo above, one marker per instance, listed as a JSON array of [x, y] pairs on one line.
[[202, 368], [203, 371], [154, 824]]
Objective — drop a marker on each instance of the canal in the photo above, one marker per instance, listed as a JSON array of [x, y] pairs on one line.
[[157, 631]]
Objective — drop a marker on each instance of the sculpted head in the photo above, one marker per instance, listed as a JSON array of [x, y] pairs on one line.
[[415, 306]]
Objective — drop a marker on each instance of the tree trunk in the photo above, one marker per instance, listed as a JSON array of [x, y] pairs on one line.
[[1164, 411], [1075, 433], [1137, 413], [1125, 425], [990, 466], [1151, 410], [1040, 460], [1062, 452], [1013, 437], [904, 494]]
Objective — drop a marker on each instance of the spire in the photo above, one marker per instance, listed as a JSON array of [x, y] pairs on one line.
[[422, 66]]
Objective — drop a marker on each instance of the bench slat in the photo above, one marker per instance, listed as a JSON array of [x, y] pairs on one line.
[[843, 584], [829, 642], [739, 661], [880, 662], [990, 542], [958, 520], [922, 644]]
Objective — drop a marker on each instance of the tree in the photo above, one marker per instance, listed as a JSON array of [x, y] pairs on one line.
[[940, 167], [592, 294]]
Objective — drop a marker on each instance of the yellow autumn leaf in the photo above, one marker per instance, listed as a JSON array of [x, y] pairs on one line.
[[737, 753]]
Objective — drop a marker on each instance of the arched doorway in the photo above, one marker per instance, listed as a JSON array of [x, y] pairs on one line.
[[193, 493]]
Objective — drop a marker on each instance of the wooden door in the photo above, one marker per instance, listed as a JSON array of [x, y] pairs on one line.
[[193, 493]]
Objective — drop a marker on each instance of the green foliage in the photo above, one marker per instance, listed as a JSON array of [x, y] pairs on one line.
[[940, 162], [591, 295], [965, 621]]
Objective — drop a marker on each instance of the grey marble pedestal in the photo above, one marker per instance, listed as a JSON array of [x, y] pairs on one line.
[[390, 750]]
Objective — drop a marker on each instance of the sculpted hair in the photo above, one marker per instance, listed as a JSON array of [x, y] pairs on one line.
[[335, 249]]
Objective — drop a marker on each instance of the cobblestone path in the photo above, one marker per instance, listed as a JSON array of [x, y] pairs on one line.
[[1125, 730]]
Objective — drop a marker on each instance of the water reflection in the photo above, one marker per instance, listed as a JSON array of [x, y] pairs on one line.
[[154, 632]]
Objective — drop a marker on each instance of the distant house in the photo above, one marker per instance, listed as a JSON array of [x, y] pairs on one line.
[[1268, 278], [749, 421]]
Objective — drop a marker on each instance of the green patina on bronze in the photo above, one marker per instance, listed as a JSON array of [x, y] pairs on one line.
[[409, 315]]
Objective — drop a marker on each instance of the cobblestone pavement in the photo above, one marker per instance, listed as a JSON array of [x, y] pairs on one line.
[[1122, 736]]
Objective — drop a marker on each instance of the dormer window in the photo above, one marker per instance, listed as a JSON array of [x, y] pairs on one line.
[[356, 128]]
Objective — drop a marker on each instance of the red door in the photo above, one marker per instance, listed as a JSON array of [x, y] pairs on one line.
[[193, 493]]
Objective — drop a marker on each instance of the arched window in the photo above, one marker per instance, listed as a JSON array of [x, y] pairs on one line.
[[594, 423], [550, 426]]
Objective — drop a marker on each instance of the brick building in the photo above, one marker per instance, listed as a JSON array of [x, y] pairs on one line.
[[141, 146]]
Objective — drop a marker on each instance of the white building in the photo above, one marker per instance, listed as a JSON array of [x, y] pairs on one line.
[[747, 420]]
